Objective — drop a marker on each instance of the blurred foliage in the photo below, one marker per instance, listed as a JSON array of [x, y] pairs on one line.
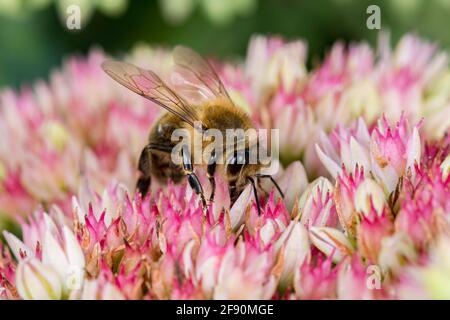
[[33, 38]]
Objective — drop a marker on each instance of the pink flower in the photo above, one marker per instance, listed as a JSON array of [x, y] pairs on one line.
[[340, 69], [294, 247], [246, 272], [57, 254], [370, 233], [7, 274], [273, 63], [332, 242], [100, 289], [424, 205], [405, 72], [344, 196], [387, 152], [296, 121], [398, 149], [358, 282], [316, 205], [316, 280], [207, 261]]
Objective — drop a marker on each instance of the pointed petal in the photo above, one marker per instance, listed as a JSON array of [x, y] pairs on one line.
[[333, 168], [237, 212], [17, 246], [54, 255]]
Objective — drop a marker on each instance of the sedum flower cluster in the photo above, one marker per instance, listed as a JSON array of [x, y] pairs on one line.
[[366, 177]]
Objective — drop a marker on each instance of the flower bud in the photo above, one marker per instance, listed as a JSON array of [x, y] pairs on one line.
[[321, 213], [237, 212], [370, 234], [331, 242], [99, 289], [344, 197], [369, 195], [295, 243], [67, 260], [293, 182], [396, 251], [36, 281], [317, 191]]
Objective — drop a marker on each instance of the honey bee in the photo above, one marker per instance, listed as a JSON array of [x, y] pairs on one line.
[[216, 111]]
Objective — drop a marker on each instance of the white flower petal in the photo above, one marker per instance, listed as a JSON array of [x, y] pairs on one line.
[[414, 149], [333, 168], [369, 192], [331, 241], [359, 155], [17, 245], [53, 255], [73, 250], [237, 212], [445, 168], [296, 250]]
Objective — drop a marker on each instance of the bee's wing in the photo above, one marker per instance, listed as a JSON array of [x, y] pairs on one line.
[[147, 84], [199, 76]]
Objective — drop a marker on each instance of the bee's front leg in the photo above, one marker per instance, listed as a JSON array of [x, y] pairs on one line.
[[255, 191], [193, 180], [211, 169]]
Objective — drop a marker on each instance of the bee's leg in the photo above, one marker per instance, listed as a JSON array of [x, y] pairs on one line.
[[144, 166], [211, 169], [258, 205], [192, 177], [273, 181]]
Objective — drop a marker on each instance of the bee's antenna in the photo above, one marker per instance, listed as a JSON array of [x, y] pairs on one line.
[[273, 181], [256, 195]]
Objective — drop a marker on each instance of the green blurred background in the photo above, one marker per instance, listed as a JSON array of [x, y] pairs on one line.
[[34, 38]]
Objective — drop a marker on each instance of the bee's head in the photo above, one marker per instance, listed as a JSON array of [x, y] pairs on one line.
[[242, 164], [242, 167]]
